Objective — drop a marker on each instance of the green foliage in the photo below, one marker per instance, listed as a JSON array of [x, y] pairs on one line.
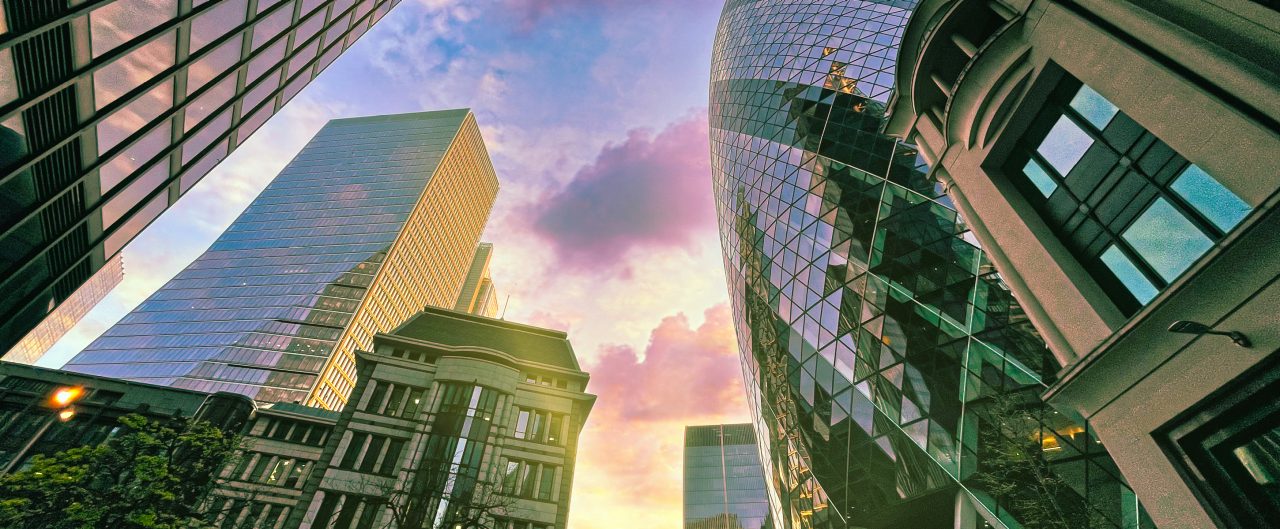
[[155, 475]]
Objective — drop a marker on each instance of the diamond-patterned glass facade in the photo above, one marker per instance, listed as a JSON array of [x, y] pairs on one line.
[[888, 367], [110, 110], [375, 218]]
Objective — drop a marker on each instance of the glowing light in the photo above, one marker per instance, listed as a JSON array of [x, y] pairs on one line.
[[66, 396], [66, 415]]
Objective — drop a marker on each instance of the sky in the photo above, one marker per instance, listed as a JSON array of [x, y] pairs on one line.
[[594, 113]]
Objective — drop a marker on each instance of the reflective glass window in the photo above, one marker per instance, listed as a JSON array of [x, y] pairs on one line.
[[1093, 107], [1129, 275], [120, 76], [120, 21], [1038, 176], [1065, 145], [264, 4], [308, 28], [134, 224], [272, 25], [128, 161], [1210, 198], [250, 125], [1166, 239], [215, 62], [216, 22], [197, 170], [206, 135], [310, 5], [133, 194], [294, 87], [208, 102], [259, 93], [265, 61], [336, 30], [302, 58], [133, 117]]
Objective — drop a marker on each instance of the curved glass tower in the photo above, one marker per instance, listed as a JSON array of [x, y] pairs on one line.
[[893, 378]]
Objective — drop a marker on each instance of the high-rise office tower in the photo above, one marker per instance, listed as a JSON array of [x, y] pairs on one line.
[[478, 295], [110, 110], [32, 347], [894, 379], [723, 480], [374, 219], [1119, 161]]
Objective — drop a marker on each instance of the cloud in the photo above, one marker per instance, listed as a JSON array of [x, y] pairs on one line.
[[650, 191], [697, 367], [634, 440]]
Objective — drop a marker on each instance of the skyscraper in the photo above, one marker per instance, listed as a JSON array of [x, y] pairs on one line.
[[723, 480], [374, 219], [36, 343], [1119, 160], [890, 371], [110, 110], [478, 295]]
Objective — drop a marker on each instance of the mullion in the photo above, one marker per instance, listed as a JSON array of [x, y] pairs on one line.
[[166, 152]]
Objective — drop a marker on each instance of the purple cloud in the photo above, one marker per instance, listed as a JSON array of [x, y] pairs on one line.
[[650, 191]]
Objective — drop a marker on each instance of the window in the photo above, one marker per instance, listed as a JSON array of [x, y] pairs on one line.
[[354, 448], [539, 426], [1132, 210], [374, 404], [414, 404], [528, 479], [1228, 448]]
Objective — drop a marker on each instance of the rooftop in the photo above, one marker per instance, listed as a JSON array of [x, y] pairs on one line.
[[521, 341]]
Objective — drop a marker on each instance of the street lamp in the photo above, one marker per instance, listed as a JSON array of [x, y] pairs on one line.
[[1197, 328]]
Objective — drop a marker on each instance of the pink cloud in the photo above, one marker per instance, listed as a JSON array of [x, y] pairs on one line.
[[650, 191], [633, 441], [686, 373]]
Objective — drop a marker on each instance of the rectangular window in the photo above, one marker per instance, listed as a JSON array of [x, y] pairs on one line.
[[1204, 193], [414, 404], [393, 402], [1166, 239], [374, 404], [545, 482], [522, 424], [367, 464], [535, 427], [554, 429], [354, 448], [391, 461]]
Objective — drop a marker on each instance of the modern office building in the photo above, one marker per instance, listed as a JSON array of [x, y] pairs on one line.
[[457, 421], [723, 480], [45, 411], [32, 347], [478, 295], [110, 110], [894, 380], [374, 219], [1119, 162]]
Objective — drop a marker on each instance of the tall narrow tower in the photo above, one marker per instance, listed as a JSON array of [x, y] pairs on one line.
[[374, 219]]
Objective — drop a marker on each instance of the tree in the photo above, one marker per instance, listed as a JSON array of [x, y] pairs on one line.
[[1013, 468], [157, 474]]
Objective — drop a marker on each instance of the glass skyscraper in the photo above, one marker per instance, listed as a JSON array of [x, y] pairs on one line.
[[478, 295], [893, 378], [374, 219], [36, 343], [110, 110], [723, 480]]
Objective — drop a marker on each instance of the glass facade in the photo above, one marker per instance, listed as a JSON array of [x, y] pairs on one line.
[[62, 319], [110, 110], [478, 295], [375, 218], [892, 376], [723, 480]]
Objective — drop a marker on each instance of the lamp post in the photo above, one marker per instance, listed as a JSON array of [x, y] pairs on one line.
[[62, 403]]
